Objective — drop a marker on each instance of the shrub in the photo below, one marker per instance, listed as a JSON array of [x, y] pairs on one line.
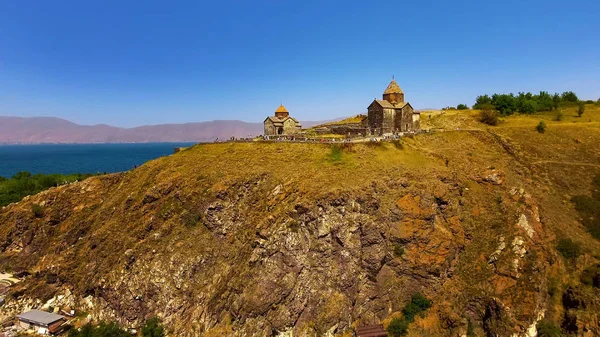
[[335, 156], [37, 210], [546, 328], [25, 183], [153, 328], [190, 219], [569, 248], [102, 330], [398, 144], [580, 109], [462, 107], [398, 250], [488, 116], [398, 327], [418, 304], [541, 127], [591, 276], [589, 208], [470, 329], [559, 116]]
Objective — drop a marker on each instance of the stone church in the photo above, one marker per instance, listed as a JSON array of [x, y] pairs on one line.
[[392, 114], [281, 124]]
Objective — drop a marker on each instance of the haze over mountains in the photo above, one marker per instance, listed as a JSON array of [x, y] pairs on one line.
[[37, 130]]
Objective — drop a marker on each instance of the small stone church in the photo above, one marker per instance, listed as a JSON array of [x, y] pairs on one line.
[[392, 114], [281, 124]]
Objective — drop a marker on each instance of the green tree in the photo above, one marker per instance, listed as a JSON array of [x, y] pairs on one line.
[[544, 101], [580, 109], [504, 103], [541, 127], [462, 107], [529, 107], [482, 100], [556, 100], [153, 328], [569, 96]]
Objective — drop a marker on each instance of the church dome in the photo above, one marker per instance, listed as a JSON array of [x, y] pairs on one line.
[[281, 109], [393, 88]]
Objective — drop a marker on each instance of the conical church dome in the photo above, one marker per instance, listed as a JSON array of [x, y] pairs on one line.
[[393, 88], [281, 109]]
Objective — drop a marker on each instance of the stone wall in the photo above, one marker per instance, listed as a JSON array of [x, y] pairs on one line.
[[269, 128], [289, 127]]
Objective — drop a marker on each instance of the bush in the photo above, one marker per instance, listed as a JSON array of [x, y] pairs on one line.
[[559, 116], [102, 330], [398, 250], [488, 115], [398, 327], [462, 107], [37, 210], [546, 328], [589, 208], [190, 219], [25, 183], [569, 248], [541, 127], [591, 276], [335, 156], [153, 328], [580, 109]]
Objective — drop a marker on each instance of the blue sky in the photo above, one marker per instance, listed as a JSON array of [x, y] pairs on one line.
[[130, 63]]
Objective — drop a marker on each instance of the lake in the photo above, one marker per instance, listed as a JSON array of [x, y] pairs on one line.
[[83, 158]]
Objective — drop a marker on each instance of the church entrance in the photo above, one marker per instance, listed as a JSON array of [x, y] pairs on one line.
[[280, 131]]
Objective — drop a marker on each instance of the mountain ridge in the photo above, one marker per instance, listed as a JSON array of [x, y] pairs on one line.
[[45, 130]]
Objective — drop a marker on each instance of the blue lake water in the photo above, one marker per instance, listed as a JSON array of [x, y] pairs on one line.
[[83, 158]]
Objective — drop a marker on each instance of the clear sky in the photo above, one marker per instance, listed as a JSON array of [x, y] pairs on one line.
[[130, 63]]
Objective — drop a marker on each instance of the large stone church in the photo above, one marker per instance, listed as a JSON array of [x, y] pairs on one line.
[[392, 114], [281, 124]]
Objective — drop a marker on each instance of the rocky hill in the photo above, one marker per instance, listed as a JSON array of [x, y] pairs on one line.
[[267, 239]]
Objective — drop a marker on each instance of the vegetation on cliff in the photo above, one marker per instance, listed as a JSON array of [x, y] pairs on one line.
[[25, 183]]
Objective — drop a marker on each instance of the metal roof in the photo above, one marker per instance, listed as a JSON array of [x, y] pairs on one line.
[[40, 317]]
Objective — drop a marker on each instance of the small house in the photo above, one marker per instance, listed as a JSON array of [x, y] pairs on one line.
[[42, 322]]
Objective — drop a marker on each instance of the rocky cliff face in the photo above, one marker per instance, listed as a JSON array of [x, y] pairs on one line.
[[286, 239]]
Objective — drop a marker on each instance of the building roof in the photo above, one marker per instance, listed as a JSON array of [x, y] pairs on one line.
[[393, 88], [389, 105], [385, 104], [278, 120], [39, 317], [281, 109]]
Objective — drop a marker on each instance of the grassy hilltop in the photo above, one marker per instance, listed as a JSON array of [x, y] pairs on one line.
[[266, 238]]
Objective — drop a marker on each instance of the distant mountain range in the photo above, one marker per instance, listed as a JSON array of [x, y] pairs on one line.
[[39, 130]]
